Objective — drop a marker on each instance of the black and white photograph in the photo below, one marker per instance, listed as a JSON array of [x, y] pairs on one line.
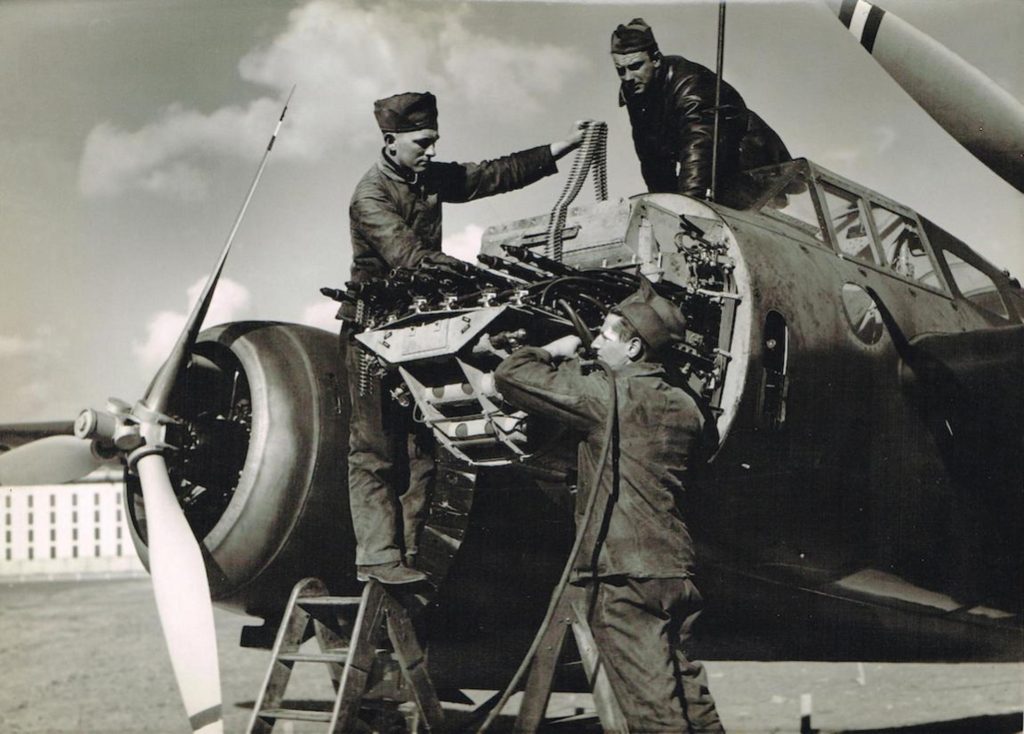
[[512, 366]]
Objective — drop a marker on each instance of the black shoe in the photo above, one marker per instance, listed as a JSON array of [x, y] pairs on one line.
[[390, 573]]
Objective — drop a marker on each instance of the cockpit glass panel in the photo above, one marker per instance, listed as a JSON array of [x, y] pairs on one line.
[[853, 238], [794, 205], [902, 247], [976, 286]]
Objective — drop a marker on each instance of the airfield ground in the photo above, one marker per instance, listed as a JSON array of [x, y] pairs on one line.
[[88, 657]]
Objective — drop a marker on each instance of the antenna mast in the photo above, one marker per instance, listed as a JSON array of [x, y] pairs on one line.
[[719, 63]]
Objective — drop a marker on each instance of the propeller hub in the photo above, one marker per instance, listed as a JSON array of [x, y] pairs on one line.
[[109, 430]]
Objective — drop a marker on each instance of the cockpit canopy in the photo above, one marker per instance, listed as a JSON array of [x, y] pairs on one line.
[[823, 208]]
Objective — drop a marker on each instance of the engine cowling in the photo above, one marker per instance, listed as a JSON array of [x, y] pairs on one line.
[[261, 471]]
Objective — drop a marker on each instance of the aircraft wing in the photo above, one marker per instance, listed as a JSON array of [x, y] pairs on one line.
[[13, 435]]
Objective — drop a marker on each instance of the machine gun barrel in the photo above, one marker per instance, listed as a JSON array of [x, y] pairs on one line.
[[525, 254], [481, 276], [513, 269], [336, 294]]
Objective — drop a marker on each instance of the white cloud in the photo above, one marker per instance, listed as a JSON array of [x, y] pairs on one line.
[[321, 315], [43, 343], [19, 346], [877, 141], [230, 303], [464, 245], [340, 56], [36, 394]]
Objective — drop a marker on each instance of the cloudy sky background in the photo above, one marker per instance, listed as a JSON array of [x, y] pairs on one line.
[[131, 130]]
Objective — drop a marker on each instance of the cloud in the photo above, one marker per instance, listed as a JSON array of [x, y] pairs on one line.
[[19, 346], [230, 303], [44, 343], [464, 245], [36, 394], [877, 141], [321, 315], [340, 56]]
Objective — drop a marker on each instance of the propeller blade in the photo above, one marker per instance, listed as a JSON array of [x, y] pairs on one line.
[[175, 558], [50, 460], [182, 597], [982, 116], [159, 392]]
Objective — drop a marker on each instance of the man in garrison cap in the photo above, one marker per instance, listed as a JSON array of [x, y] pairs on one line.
[[395, 222], [636, 555], [671, 106]]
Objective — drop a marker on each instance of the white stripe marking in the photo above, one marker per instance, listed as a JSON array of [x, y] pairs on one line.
[[860, 17]]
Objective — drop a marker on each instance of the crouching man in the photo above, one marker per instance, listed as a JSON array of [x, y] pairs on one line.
[[645, 598]]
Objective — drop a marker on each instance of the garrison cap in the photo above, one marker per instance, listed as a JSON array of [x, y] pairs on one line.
[[633, 36], [406, 112], [658, 321]]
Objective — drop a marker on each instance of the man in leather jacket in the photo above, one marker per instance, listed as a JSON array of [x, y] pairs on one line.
[[671, 105], [395, 222]]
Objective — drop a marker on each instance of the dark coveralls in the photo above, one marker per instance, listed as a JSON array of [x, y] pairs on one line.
[[646, 601], [395, 222], [673, 128]]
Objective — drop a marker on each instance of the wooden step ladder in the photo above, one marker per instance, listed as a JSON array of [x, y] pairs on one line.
[[352, 651], [570, 613]]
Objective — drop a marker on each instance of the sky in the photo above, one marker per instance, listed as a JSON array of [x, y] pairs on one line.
[[131, 129]]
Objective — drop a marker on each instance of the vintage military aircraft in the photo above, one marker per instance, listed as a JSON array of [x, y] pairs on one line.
[[863, 367]]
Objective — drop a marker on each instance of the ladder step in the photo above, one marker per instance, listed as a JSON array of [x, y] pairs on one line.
[[328, 601], [314, 657], [295, 714]]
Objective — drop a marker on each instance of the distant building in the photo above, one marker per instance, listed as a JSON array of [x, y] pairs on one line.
[[65, 531]]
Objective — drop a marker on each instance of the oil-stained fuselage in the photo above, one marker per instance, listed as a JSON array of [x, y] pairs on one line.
[[830, 476], [838, 498]]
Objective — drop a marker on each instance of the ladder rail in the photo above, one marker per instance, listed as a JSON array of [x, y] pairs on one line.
[[278, 674], [351, 651], [570, 613]]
